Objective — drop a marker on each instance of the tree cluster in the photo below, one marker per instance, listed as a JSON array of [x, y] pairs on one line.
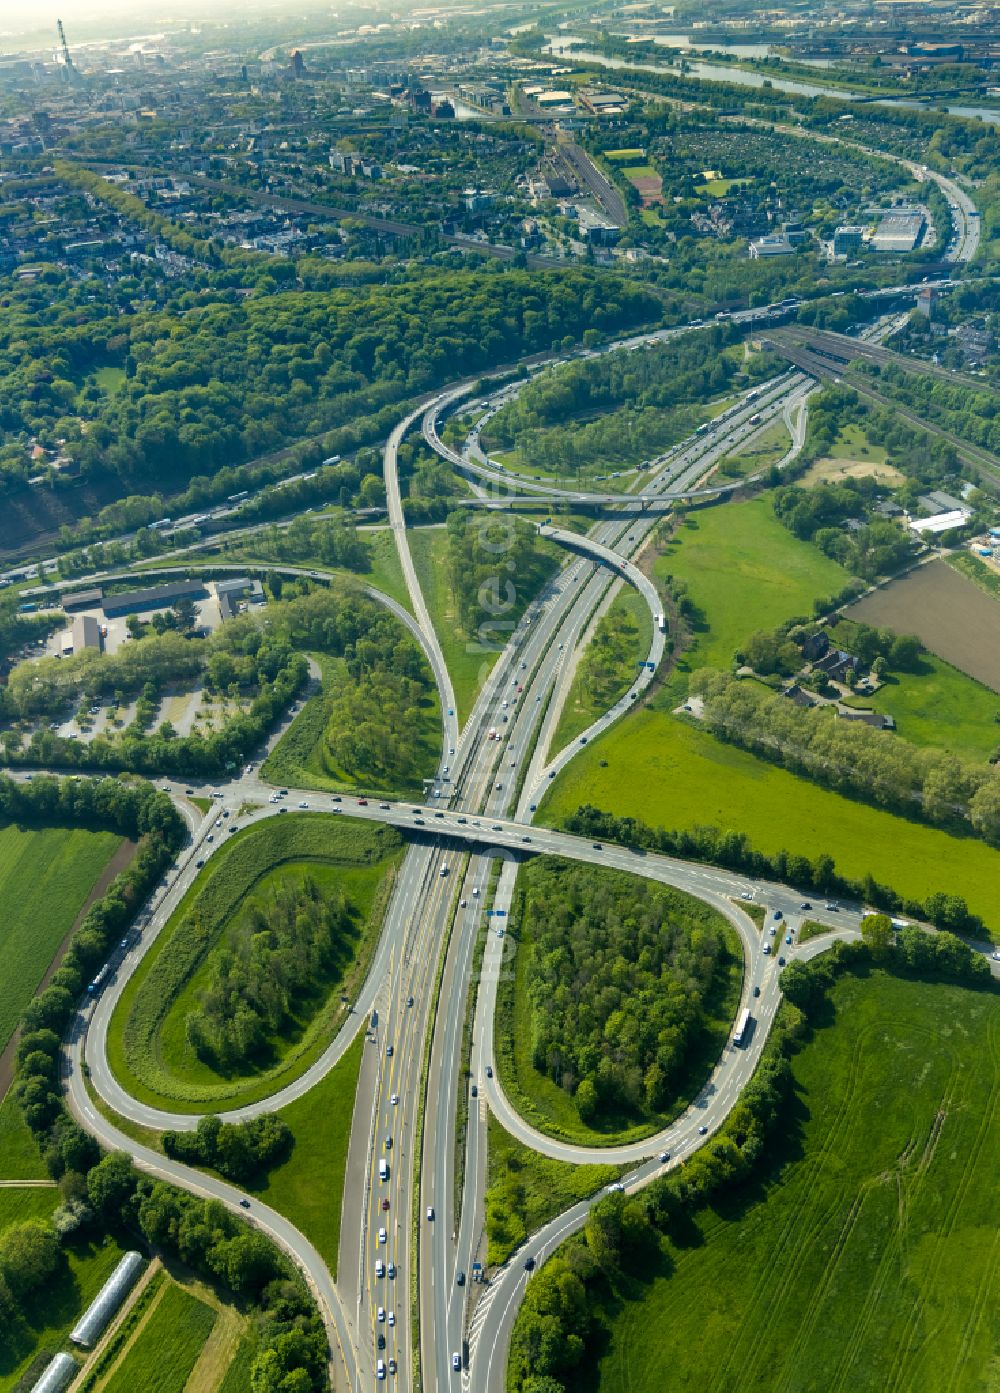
[[876, 547], [238, 1150], [284, 947], [620, 407], [851, 757], [620, 974], [495, 566]]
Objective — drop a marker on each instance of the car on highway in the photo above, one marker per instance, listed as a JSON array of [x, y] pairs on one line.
[[379, 1268], [598, 847], [380, 1369], [489, 1071], [456, 1363], [529, 1264], [460, 1278], [788, 938], [394, 1099], [805, 905], [778, 914], [430, 1214], [781, 962], [664, 1157], [392, 1366], [388, 1143], [767, 949], [388, 1051], [391, 1270], [303, 804], [244, 1204], [702, 1130], [385, 1205], [526, 838], [496, 827], [475, 1091], [381, 1314], [392, 1317], [756, 991], [831, 906]]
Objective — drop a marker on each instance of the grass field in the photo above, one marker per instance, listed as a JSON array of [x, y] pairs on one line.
[[852, 443], [56, 1310], [674, 775], [468, 668], [237, 1379], [865, 1259], [45, 878], [146, 1045], [525, 1189], [20, 1158], [765, 449], [167, 1346], [582, 705], [321, 1123], [745, 571], [938, 705], [300, 760]]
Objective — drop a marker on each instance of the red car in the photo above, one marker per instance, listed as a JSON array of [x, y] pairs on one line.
[[363, 802], [385, 1205]]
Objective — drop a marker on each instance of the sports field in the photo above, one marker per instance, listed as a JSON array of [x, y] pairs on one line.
[[865, 1260], [45, 878]]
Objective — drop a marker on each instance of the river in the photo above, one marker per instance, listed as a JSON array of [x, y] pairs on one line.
[[741, 77]]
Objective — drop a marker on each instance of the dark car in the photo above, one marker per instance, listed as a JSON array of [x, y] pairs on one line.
[[244, 1204], [475, 1091], [460, 1278], [529, 1264], [756, 991], [781, 962]]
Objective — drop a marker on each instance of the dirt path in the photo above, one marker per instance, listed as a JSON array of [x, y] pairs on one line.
[[118, 862]]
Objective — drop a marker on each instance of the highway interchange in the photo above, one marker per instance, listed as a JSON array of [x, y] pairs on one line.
[[466, 840]]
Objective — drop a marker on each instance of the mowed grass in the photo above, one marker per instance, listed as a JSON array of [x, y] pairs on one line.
[[467, 666], [744, 571], [237, 1379], [671, 774], [46, 875], [20, 1158], [167, 1346], [56, 1309], [865, 1259], [309, 1186], [143, 1044], [942, 707], [582, 706], [761, 452], [525, 1189]]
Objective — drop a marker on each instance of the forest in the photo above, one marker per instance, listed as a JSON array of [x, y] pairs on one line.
[[621, 970], [621, 407], [281, 951], [227, 382], [851, 757]]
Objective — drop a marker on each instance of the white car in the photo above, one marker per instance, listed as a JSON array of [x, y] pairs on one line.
[[379, 1268], [392, 1317], [394, 1100], [381, 1313], [382, 1236], [430, 1213]]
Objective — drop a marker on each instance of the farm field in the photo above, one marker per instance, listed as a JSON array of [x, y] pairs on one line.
[[592, 692], [46, 876], [147, 1041], [167, 1346], [865, 1256], [949, 613], [321, 1124], [53, 1315], [672, 774]]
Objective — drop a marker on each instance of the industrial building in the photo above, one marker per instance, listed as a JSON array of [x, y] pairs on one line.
[[231, 592], [82, 599], [107, 1301], [57, 1376], [774, 244], [157, 597], [899, 231], [85, 632]]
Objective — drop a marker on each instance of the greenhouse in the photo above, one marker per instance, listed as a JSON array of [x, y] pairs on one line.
[[107, 1300]]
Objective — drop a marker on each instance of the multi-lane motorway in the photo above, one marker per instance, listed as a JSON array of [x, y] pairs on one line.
[[467, 841]]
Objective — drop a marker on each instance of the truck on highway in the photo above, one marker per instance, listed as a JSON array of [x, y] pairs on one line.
[[755, 418], [383, 1169], [742, 1026]]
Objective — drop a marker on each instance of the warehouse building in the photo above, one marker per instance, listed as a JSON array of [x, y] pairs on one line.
[[82, 599], [157, 597], [85, 632], [899, 231]]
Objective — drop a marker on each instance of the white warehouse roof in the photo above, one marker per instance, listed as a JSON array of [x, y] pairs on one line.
[[940, 522]]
